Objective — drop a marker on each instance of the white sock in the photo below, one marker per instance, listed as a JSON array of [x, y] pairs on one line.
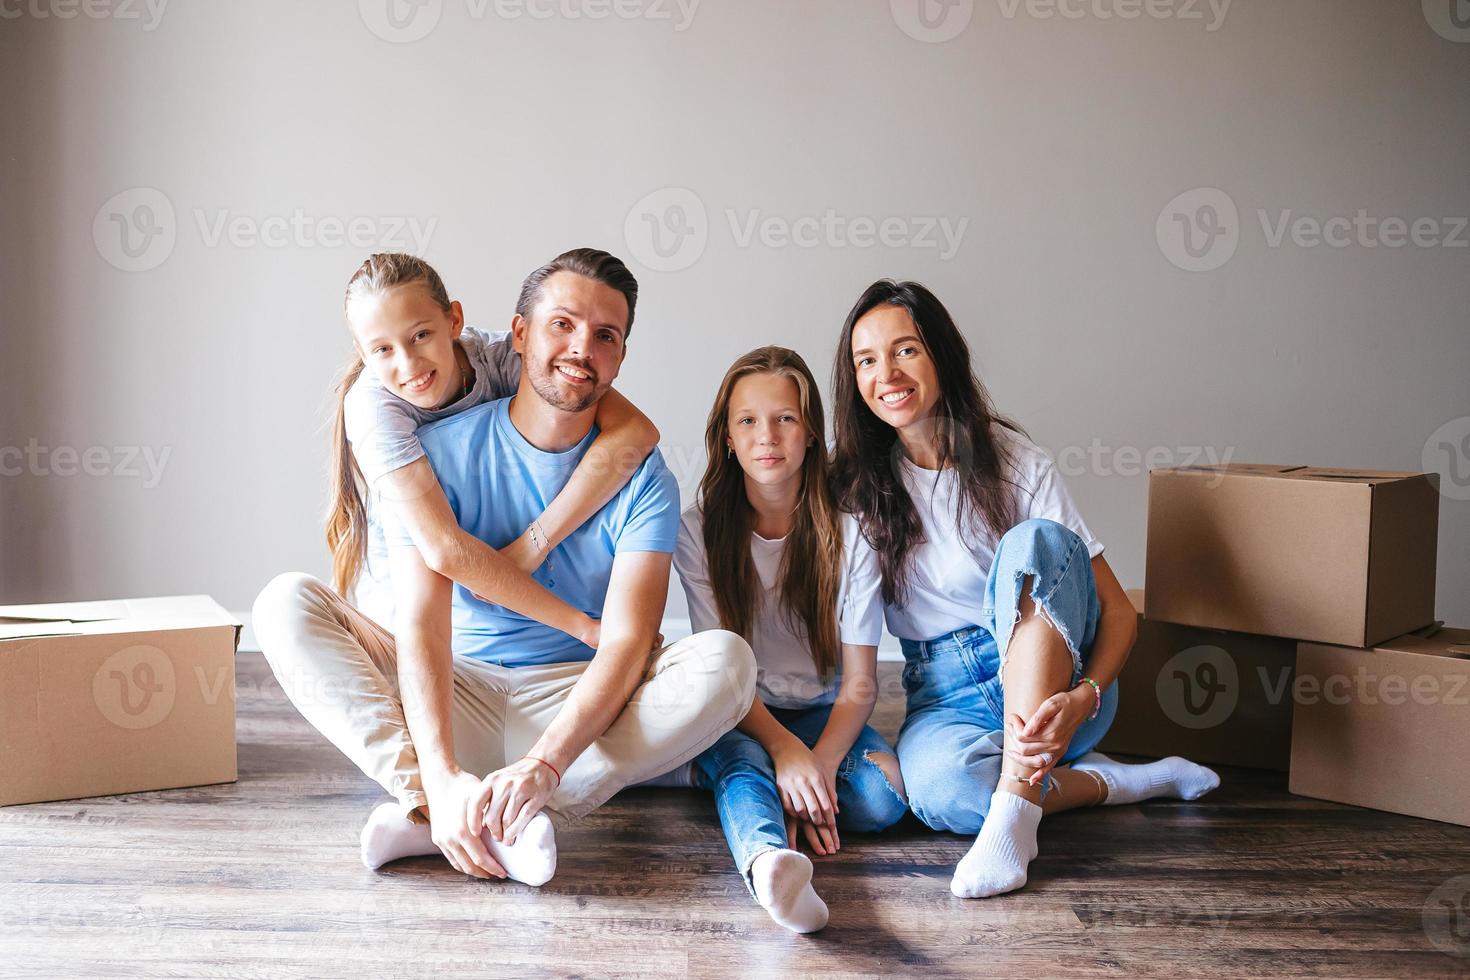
[[680, 778], [531, 860], [996, 862], [1173, 777], [783, 885], [389, 835]]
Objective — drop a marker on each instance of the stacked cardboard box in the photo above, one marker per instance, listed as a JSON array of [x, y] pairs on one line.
[[98, 698], [1288, 623]]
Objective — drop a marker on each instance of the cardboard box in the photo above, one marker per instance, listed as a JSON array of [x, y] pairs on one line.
[[1331, 556], [1208, 695], [98, 698], [1387, 728]]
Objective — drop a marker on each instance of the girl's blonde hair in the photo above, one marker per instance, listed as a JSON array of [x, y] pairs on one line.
[[811, 564], [347, 512]]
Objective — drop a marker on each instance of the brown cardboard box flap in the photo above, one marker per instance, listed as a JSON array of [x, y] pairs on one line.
[[111, 616]]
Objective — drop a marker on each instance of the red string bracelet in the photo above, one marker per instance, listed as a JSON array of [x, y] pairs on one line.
[[548, 766]]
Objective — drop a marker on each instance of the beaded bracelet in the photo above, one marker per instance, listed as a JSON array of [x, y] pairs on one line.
[[1096, 696]]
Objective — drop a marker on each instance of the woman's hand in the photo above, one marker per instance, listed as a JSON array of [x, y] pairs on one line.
[[804, 784], [1040, 742]]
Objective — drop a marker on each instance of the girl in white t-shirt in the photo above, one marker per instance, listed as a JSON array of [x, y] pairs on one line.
[[415, 361], [1012, 624], [766, 555]]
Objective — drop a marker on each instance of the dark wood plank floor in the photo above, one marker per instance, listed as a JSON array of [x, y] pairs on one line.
[[260, 878]]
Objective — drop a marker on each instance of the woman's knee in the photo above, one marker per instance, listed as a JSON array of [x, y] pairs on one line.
[[1037, 538]]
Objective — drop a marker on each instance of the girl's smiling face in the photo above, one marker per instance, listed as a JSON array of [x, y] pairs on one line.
[[407, 340]]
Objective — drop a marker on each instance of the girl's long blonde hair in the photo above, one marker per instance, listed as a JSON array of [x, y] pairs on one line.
[[811, 565], [347, 512]]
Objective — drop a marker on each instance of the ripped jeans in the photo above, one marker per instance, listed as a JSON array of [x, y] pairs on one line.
[[743, 778], [950, 748]]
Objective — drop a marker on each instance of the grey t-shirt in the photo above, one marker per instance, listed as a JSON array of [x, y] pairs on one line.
[[383, 432]]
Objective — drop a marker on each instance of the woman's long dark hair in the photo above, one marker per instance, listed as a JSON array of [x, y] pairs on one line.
[[866, 461]]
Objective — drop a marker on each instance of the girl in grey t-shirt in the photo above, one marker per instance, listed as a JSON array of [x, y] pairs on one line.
[[415, 361]]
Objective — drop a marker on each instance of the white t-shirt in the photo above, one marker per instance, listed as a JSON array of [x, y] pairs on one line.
[[382, 429], [786, 677], [947, 587]]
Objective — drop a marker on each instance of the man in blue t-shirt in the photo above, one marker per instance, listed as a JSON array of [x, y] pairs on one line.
[[558, 726]]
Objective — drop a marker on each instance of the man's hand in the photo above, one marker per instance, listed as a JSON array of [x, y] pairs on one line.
[[507, 799], [450, 799]]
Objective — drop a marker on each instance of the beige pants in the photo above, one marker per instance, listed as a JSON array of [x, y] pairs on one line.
[[340, 670]]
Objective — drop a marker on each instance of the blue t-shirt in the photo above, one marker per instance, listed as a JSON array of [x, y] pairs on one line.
[[497, 484]]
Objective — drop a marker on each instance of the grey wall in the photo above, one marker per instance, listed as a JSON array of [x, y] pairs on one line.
[[1058, 140]]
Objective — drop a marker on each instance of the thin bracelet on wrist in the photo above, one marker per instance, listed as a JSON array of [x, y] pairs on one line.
[[554, 771]]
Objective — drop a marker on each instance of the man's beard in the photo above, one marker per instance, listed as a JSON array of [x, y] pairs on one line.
[[544, 382]]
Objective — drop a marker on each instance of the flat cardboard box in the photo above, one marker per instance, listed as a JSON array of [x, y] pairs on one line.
[[98, 698], [1387, 728], [1330, 556], [1208, 695]]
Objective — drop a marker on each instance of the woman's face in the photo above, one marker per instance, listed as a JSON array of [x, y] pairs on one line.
[[765, 428], [408, 342], [895, 374]]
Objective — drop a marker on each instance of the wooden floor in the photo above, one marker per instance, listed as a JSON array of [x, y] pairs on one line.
[[260, 878]]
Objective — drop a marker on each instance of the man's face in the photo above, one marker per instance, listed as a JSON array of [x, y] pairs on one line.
[[572, 344]]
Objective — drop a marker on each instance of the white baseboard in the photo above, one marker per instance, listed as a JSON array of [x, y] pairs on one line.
[[672, 629]]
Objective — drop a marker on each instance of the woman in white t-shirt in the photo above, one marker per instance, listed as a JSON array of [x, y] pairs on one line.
[[766, 554], [1012, 624]]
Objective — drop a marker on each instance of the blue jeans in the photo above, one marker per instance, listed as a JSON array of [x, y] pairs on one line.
[[743, 778], [950, 748]]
